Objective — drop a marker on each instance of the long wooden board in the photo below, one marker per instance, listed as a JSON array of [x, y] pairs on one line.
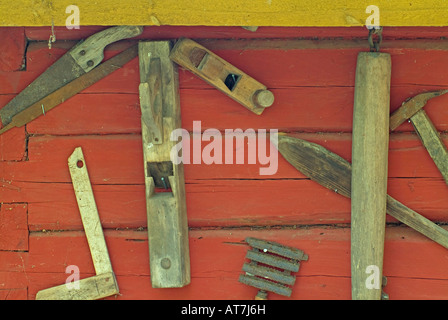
[[410, 276], [240, 13], [370, 148]]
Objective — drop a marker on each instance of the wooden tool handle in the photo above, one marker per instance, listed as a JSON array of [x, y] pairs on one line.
[[432, 141], [369, 171], [89, 53], [416, 221]]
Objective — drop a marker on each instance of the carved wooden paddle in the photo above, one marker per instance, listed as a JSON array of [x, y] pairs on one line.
[[333, 172]]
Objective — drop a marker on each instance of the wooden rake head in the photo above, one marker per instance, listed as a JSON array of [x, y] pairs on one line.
[[270, 267]]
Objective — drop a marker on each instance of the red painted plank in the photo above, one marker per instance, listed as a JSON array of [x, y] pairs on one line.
[[13, 285], [108, 163], [12, 280], [12, 142], [173, 32], [14, 294], [13, 227], [295, 109], [12, 265], [298, 67], [44, 183], [217, 257], [254, 203], [91, 113], [12, 53], [118, 206], [13, 145]]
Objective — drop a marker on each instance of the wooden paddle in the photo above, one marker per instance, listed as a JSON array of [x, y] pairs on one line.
[[333, 172]]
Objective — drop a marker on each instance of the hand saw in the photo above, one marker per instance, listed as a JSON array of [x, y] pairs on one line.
[[57, 84]]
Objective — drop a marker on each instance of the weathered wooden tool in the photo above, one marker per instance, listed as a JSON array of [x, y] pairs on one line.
[[165, 185], [333, 172], [104, 283], [222, 75], [270, 267], [369, 169], [58, 84], [412, 109]]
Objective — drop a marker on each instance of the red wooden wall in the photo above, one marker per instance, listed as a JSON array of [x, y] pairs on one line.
[[311, 72]]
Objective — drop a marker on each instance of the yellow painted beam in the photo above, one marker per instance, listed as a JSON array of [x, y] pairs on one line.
[[329, 13]]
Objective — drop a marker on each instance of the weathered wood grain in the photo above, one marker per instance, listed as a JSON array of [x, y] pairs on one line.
[[13, 145], [314, 87], [13, 227], [302, 58], [223, 251], [12, 55], [222, 75], [370, 146], [91, 288], [89, 212], [335, 173], [166, 211], [123, 169], [430, 138]]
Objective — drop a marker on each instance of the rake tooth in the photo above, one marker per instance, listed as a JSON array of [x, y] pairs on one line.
[[273, 261], [277, 248], [269, 273], [265, 285]]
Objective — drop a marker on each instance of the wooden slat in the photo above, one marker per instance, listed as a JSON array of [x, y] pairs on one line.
[[13, 145], [235, 13], [217, 257], [430, 138], [302, 58], [118, 113], [12, 55], [91, 288], [89, 212], [226, 32], [13, 227], [47, 152], [370, 149], [13, 285], [270, 203]]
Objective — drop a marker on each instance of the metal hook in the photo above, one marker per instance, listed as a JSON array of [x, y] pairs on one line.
[[375, 46]]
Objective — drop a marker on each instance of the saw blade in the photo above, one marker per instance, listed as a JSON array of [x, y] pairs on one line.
[[79, 60]]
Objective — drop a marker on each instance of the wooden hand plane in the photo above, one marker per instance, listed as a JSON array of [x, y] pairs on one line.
[[165, 186]]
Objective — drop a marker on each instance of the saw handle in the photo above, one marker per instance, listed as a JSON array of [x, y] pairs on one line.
[[89, 53]]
